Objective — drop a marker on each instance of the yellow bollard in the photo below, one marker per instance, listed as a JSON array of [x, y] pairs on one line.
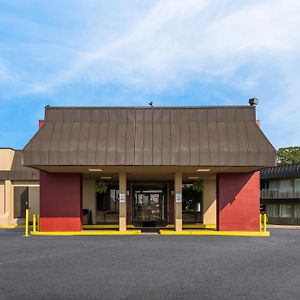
[[259, 222], [265, 222], [27, 222], [34, 223], [38, 222]]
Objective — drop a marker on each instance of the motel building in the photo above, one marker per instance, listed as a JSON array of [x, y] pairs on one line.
[[162, 167]]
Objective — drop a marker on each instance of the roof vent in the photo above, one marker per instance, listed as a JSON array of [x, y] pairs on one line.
[[253, 101]]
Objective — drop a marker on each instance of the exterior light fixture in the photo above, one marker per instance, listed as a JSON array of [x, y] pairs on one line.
[[203, 170], [95, 170], [253, 101], [105, 177]]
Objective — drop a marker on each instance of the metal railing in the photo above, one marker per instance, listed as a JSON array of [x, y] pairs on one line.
[[276, 194]]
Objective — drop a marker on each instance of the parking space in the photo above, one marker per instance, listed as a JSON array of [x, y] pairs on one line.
[[150, 267]]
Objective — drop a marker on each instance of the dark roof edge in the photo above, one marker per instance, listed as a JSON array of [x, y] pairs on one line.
[[277, 172], [151, 107]]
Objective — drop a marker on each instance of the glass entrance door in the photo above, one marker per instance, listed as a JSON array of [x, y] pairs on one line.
[[149, 205]]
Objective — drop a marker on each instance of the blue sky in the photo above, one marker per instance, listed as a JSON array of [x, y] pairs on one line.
[[172, 52]]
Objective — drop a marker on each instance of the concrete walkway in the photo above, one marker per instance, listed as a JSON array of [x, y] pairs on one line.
[[283, 226]]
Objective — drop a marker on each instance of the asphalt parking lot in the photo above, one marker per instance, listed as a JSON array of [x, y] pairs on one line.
[[150, 267]]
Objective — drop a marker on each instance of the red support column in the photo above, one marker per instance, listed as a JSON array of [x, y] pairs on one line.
[[238, 201], [60, 202]]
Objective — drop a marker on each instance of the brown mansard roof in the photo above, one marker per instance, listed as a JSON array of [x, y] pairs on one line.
[[18, 171], [145, 136]]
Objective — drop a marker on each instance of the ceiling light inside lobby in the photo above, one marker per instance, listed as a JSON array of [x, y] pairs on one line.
[[193, 177], [95, 170], [105, 177], [203, 170]]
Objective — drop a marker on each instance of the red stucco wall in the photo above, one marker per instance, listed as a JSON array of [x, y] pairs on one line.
[[60, 202], [238, 201]]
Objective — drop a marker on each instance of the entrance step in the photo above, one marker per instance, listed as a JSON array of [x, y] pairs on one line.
[[150, 230], [149, 233], [148, 224]]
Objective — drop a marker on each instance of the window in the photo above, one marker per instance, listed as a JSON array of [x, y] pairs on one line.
[[114, 199], [272, 210], [20, 199], [22, 194], [297, 211], [297, 185], [285, 185], [108, 206], [285, 211], [108, 201], [273, 185]]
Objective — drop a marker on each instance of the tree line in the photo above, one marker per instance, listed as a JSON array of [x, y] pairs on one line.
[[288, 156]]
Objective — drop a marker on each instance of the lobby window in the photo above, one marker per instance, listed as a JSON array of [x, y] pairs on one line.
[[285, 210], [109, 200], [192, 202], [108, 205]]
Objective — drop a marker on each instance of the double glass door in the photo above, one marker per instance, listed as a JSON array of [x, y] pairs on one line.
[[149, 205]]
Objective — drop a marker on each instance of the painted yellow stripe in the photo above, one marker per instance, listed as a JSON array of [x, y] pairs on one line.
[[105, 226], [116, 226], [13, 226], [112, 226], [195, 225], [86, 232], [215, 233]]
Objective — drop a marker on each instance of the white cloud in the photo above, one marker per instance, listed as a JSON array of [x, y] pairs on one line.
[[177, 37]]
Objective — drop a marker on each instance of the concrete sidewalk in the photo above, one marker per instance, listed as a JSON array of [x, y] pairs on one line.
[[282, 226]]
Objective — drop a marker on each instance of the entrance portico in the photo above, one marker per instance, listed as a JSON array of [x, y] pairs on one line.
[[148, 158], [144, 196]]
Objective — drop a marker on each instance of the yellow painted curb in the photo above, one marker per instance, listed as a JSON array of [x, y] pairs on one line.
[[215, 233], [86, 232], [105, 226], [13, 226], [194, 226]]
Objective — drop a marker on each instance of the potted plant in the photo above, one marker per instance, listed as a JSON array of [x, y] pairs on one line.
[[101, 187]]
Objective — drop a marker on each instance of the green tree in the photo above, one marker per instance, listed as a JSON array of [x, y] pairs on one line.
[[288, 156]]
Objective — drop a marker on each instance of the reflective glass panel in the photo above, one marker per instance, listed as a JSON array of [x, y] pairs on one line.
[[272, 210], [285, 211]]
